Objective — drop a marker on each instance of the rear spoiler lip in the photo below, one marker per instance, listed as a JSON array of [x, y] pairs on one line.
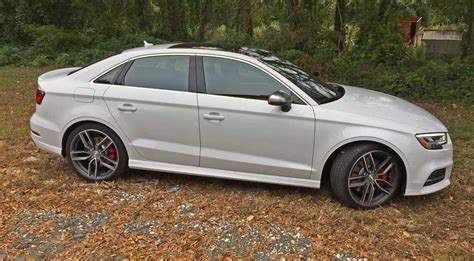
[[56, 74]]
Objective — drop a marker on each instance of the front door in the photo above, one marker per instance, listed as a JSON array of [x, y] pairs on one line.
[[240, 131], [154, 108]]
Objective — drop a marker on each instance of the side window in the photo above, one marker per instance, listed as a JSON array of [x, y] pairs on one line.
[[161, 72], [233, 78], [109, 77]]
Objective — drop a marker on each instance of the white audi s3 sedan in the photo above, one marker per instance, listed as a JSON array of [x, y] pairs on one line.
[[238, 113]]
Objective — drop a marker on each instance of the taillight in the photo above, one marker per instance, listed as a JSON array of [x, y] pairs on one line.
[[39, 96]]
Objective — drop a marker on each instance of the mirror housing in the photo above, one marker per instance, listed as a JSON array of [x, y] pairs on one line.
[[281, 98]]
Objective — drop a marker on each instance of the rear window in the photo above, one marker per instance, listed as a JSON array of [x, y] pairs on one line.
[[110, 77], [161, 72]]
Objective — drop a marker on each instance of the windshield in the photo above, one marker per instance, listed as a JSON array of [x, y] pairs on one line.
[[320, 91]]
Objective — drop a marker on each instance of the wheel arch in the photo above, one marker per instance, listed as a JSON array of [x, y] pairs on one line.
[[78, 122], [329, 159]]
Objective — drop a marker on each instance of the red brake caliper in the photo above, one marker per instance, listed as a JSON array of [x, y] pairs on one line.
[[112, 152], [386, 176]]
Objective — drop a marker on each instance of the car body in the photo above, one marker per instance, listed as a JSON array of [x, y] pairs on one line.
[[186, 129]]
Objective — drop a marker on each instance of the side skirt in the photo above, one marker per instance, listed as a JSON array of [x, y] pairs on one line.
[[224, 174]]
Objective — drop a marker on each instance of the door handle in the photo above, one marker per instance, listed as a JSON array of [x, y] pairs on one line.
[[126, 107], [213, 116]]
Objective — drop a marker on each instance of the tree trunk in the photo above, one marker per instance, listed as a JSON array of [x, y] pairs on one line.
[[471, 34], [294, 14], [339, 24], [245, 17], [141, 8], [203, 20], [383, 9], [176, 21]]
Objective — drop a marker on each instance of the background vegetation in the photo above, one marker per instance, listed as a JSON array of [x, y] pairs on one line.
[[348, 41]]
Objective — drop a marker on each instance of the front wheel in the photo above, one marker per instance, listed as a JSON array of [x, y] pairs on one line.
[[365, 176], [96, 153]]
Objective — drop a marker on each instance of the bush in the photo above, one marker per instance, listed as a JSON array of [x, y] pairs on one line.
[[9, 55], [51, 40], [41, 60], [61, 48], [437, 81]]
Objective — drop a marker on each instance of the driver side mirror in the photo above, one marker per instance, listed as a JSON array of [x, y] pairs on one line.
[[281, 98]]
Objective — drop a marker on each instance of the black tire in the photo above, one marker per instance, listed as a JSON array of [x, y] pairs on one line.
[[121, 157], [349, 163]]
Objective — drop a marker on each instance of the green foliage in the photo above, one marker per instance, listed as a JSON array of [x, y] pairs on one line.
[[433, 81], [9, 55], [49, 39], [56, 47], [75, 33]]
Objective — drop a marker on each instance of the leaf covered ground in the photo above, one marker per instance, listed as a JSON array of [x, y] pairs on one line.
[[46, 211]]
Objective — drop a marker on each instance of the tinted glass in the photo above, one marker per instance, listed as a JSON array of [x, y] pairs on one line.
[[233, 78], [164, 72], [320, 92], [110, 76]]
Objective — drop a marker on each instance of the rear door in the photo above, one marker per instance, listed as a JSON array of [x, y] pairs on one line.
[[155, 106], [240, 131]]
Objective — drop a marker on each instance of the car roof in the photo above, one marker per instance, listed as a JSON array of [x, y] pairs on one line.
[[256, 53], [207, 46], [152, 47]]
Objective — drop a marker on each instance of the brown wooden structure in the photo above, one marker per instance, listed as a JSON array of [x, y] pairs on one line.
[[409, 28]]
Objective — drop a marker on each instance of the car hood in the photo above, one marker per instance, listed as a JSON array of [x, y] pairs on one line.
[[385, 107]]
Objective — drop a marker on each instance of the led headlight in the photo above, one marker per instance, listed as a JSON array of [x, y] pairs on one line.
[[432, 141]]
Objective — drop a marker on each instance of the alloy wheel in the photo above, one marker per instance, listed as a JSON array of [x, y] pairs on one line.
[[373, 178], [94, 154]]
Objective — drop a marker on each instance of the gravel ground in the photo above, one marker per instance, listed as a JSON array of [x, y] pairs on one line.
[[238, 237]]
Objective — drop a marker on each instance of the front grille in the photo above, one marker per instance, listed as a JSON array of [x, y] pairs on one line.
[[435, 177]]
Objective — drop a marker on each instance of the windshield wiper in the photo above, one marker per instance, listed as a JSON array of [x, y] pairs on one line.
[[340, 91]]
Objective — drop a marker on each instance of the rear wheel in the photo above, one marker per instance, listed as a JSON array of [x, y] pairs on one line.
[[96, 153], [365, 176]]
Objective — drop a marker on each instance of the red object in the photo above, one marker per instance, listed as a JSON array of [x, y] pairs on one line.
[[409, 26], [112, 153], [39, 96]]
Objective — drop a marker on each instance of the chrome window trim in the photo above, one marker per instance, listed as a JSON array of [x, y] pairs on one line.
[[223, 55], [135, 58]]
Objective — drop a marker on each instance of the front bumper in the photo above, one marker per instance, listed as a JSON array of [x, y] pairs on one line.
[[422, 164]]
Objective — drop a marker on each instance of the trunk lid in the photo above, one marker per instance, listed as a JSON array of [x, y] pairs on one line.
[[56, 74]]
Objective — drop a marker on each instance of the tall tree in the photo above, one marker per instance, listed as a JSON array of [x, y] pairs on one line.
[[203, 19], [471, 33], [245, 17], [339, 24], [173, 20], [294, 14], [242, 19]]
